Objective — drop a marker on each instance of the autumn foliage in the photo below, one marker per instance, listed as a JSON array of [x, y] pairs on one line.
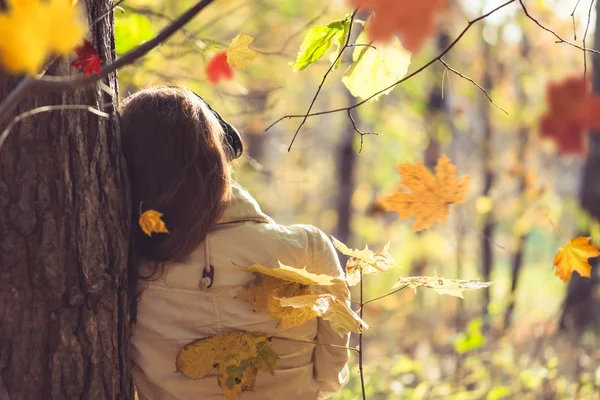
[[87, 59]]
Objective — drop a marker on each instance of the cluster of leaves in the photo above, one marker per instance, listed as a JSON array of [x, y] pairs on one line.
[[239, 52]]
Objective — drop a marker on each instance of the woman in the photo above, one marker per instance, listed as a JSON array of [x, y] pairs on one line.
[[178, 152]]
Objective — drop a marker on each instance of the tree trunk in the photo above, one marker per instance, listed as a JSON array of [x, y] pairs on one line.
[[64, 237], [581, 304]]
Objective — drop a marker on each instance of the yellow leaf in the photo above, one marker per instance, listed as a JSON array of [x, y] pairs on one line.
[[239, 52], [451, 287], [30, 31], [291, 274], [430, 196], [150, 222], [301, 309], [574, 257], [289, 317], [237, 357], [364, 260]]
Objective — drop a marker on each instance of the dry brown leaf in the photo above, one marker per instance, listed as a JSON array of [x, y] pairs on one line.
[[451, 287], [365, 260]]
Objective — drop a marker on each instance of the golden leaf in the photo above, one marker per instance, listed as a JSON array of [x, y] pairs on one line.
[[237, 357], [574, 257], [451, 287], [30, 31], [239, 51], [430, 196], [291, 274], [364, 260], [150, 222], [298, 310]]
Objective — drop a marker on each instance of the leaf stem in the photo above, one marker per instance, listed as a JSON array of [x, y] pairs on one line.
[[385, 295], [317, 343]]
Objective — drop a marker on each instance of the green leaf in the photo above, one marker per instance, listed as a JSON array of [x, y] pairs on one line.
[[339, 41], [499, 392], [316, 43], [472, 339], [131, 30], [374, 69]]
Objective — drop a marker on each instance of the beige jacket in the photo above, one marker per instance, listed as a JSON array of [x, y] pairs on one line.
[[174, 310]]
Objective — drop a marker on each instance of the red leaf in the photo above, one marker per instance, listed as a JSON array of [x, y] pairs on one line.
[[87, 59], [572, 111], [412, 20], [218, 68]]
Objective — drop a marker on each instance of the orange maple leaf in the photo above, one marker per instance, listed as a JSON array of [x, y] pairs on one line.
[[150, 221], [430, 197], [572, 111], [574, 257], [412, 20]]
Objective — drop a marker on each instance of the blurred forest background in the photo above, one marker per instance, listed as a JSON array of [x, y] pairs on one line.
[[511, 341]]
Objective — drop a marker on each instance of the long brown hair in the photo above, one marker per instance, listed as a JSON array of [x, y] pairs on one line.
[[177, 160]]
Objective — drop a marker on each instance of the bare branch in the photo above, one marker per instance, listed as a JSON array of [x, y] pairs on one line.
[[361, 133], [43, 109], [449, 68], [64, 83], [587, 27], [573, 19], [407, 77]]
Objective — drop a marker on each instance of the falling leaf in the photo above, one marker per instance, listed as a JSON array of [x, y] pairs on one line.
[[364, 260], [218, 68], [317, 41], [87, 59], [239, 51], [430, 196], [30, 31], [237, 357], [451, 287], [413, 20], [150, 222], [376, 68], [298, 310], [572, 111], [574, 257]]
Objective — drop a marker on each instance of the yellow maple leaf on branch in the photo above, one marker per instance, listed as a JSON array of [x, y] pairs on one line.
[[239, 51], [237, 357], [430, 196], [450, 287], [574, 257], [365, 261], [32, 30], [150, 221]]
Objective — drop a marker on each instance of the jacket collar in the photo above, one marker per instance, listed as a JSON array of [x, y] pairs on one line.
[[242, 207]]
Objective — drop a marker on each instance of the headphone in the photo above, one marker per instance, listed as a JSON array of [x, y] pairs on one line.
[[233, 137]]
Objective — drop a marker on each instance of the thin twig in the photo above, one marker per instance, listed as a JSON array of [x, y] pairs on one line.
[[407, 77], [317, 343], [556, 35], [331, 67], [43, 109], [361, 133], [385, 295], [111, 9], [573, 19], [360, 341], [449, 68], [587, 27], [64, 83]]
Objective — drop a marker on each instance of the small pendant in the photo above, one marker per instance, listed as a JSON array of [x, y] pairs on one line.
[[207, 278]]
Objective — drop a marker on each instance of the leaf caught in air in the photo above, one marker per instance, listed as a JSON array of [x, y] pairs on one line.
[[413, 20], [298, 310], [218, 68], [239, 51], [150, 222], [317, 41], [574, 257], [87, 59], [375, 68], [237, 357], [430, 197], [572, 111], [31, 31], [451, 287], [364, 260]]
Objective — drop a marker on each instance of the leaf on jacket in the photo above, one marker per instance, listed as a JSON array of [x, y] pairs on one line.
[[364, 260], [430, 197], [239, 51], [298, 310], [451, 287], [291, 274], [574, 257], [236, 356], [150, 221]]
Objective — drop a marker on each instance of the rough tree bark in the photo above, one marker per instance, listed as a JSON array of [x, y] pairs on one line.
[[582, 301], [64, 229]]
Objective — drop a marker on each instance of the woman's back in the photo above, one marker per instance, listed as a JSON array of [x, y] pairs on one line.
[[178, 308]]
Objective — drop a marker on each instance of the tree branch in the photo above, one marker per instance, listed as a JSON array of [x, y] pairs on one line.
[[64, 83], [407, 77]]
